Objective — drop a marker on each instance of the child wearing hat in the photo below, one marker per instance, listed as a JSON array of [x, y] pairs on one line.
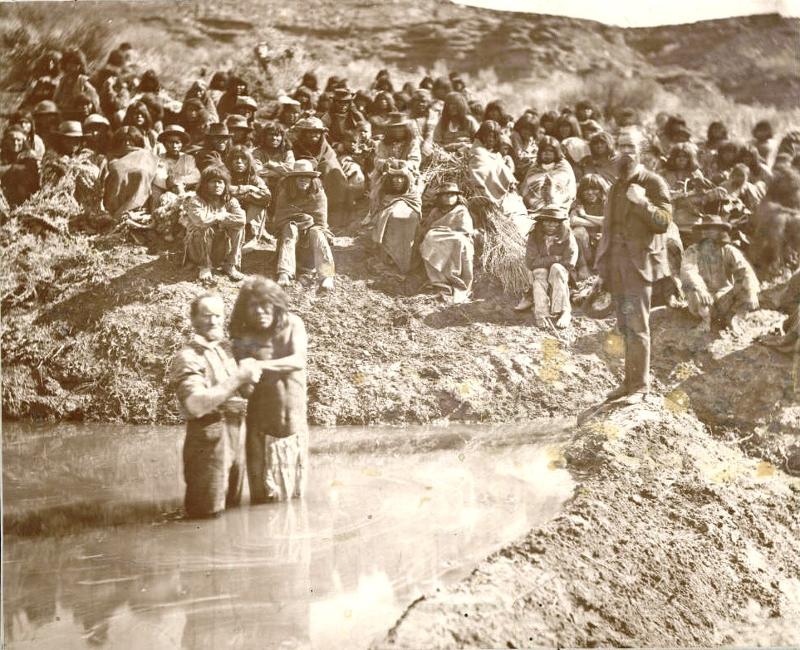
[[550, 255], [717, 279]]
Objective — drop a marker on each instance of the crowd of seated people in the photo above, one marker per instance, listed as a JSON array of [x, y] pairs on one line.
[[297, 167]]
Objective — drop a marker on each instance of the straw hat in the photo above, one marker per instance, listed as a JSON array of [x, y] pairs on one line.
[[237, 122], [304, 167], [310, 124], [711, 221], [45, 107], [176, 130], [95, 119], [70, 129]]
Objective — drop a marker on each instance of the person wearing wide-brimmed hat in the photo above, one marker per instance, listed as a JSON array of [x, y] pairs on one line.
[[240, 130], [343, 117], [301, 218], [177, 170], [310, 142], [396, 218], [550, 254], [215, 147], [718, 280], [215, 223], [447, 248]]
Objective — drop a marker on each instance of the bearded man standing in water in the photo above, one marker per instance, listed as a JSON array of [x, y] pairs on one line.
[[631, 256], [211, 388], [277, 428]]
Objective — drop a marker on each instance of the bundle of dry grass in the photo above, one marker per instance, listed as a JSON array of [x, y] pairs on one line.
[[503, 254], [70, 190]]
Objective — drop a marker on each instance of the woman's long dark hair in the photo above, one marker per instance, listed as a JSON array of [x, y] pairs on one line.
[[138, 108], [249, 176], [549, 142], [262, 137], [264, 291], [214, 172], [462, 109], [682, 148], [374, 109]]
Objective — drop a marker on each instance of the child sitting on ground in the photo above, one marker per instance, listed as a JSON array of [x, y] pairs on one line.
[[551, 254], [586, 219]]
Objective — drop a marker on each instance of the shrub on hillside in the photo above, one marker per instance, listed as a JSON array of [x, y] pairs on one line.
[[28, 32]]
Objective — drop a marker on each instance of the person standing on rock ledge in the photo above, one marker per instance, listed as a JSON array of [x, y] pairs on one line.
[[631, 256], [211, 390]]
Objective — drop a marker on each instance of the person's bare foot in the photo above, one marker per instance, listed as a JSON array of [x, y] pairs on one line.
[[564, 320], [204, 274], [284, 280], [540, 322], [618, 393]]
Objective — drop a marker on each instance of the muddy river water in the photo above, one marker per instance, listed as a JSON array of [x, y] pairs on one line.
[[390, 514]]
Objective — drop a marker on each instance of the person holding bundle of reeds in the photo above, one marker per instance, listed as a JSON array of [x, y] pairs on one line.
[[551, 254]]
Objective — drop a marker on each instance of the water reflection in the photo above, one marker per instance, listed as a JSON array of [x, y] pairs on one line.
[[332, 571]]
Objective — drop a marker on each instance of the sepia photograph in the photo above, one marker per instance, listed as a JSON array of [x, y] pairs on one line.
[[400, 324]]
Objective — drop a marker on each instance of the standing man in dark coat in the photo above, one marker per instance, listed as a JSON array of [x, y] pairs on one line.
[[631, 256]]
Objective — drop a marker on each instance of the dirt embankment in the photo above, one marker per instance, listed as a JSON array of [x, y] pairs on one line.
[[673, 538]]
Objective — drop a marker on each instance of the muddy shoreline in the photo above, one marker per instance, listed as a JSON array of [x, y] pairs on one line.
[[683, 530]]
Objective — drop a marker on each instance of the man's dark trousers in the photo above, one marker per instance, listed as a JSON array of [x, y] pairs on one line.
[[632, 295]]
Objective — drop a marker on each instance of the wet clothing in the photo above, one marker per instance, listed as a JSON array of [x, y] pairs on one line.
[[447, 251], [214, 448], [214, 234], [631, 256], [277, 423]]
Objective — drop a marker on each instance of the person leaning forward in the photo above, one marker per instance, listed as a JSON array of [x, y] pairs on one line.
[[631, 256], [211, 388]]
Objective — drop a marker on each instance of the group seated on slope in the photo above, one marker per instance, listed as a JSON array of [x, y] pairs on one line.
[[323, 159]]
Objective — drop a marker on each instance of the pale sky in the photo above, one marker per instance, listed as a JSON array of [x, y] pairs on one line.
[[644, 13]]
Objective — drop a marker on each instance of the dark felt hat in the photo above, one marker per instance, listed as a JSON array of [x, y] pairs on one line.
[[237, 122], [217, 130]]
